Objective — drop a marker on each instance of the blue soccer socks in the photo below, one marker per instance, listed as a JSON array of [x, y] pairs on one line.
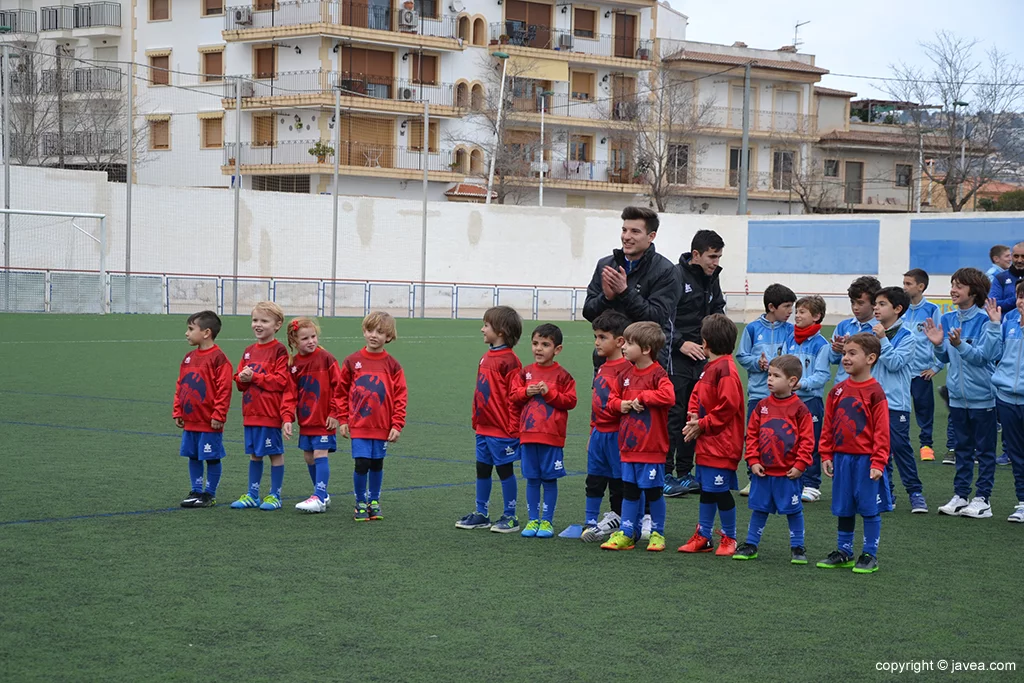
[[312, 473], [359, 486], [322, 468], [533, 499], [728, 522], [796, 529], [758, 521], [483, 494], [375, 482], [213, 472], [845, 535], [276, 480], [630, 510], [593, 510], [550, 499], [195, 474], [658, 512], [872, 532], [705, 518], [255, 477], [509, 491]]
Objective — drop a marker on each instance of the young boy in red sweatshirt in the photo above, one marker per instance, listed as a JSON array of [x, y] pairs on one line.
[[544, 392], [780, 447], [715, 420], [643, 395]]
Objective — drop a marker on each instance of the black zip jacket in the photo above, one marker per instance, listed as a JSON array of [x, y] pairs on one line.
[[701, 296]]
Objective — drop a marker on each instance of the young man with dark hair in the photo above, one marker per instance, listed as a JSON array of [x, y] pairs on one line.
[[924, 366], [635, 280], [1004, 284], [702, 296], [862, 294]]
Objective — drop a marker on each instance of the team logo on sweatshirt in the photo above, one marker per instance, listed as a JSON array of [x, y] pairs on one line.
[[368, 395], [850, 421], [191, 392], [776, 438], [309, 395]]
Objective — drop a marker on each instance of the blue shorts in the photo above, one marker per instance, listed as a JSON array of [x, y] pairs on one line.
[[773, 495], [202, 445], [603, 455], [716, 479], [494, 450], [645, 475], [853, 491], [262, 441], [374, 449], [327, 443], [541, 461]]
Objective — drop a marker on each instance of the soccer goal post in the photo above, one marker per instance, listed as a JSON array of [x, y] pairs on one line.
[[54, 262]]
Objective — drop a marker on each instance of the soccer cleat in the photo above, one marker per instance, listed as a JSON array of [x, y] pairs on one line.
[[190, 500], [545, 530], [866, 564], [684, 485], [591, 534], [311, 504], [978, 508], [645, 528], [953, 508], [836, 559], [327, 501], [361, 513], [618, 541], [656, 544], [697, 544], [1018, 513], [745, 491], [670, 481], [603, 529], [245, 501], [474, 520], [375, 512], [506, 525], [927, 453], [810, 494], [1003, 459], [949, 458], [206, 500], [271, 502], [799, 555], [531, 528], [918, 505], [726, 546], [747, 551]]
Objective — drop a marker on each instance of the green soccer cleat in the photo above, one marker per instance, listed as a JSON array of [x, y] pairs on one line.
[[836, 559], [866, 564], [799, 555], [656, 544], [271, 502], [545, 530], [375, 512], [361, 513], [619, 541], [531, 528], [244, 502], [747, 551]]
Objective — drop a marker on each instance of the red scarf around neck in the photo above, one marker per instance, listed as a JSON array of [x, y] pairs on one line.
[[802, 334]]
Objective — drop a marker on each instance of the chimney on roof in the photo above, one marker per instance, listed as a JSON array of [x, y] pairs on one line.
[[788, 48], [739, 43]]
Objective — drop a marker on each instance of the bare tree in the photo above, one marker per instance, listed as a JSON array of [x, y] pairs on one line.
[[971, 141]]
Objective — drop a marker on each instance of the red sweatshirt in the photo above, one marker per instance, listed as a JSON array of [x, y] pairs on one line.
[[643, 436], [780, 435], [602, 417], [203, 389], [717, 400], [312, 393], [493, 413], [373, 395], [543, 418], [263, 395], [856, 422]]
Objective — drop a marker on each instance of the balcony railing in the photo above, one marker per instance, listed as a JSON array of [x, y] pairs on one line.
[[318, 82], [18, 21], [95, 79], [83, 143], [520, 34], [562, 104], [763, 121], [379, 17], [352, 154], [83, 15]]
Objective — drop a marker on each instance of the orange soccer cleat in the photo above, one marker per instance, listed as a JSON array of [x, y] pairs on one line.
[[697, 544], [927, 453], [726, 547]]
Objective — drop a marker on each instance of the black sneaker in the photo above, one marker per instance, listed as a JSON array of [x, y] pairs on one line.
[[949, 458], [836, 559], [191, 499], [866, 564], [747, 551], [206, 500], [799, 555]]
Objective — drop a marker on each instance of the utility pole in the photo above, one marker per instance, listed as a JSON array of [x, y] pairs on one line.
[[334, 197], [60, 107], [7, 173], [238, 188], [745, 145], [423, 236]]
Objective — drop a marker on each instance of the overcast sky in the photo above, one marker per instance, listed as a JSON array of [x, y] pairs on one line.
[[860, 37]]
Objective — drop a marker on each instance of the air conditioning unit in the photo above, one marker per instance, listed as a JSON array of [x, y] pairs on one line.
[[408, 18], [248, 89], [243, 16], [565, 41], [456, 6], [406, 94]]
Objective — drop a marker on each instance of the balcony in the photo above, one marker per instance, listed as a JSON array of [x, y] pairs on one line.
[[600, 48], [761, 121], [84, 144], [84, 20], [595, 111], [17, 21], [84, 80], [329, 18]]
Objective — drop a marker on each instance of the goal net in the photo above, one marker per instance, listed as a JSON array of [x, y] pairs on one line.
[[54, 262]]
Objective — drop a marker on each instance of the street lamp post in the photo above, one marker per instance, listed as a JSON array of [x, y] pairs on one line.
[[963, 152], [503, 56], [543, 105]]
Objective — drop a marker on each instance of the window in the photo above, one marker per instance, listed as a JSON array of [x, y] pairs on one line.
[[281, 183], [782, 169], [584, 23], [159, 70], [904, 174], [160, 134], [265, 62], [416, 136], [678, 163], [265, 5], [734, 166], [582, 85], [424, 69], [212, 133], [212, 8], [213, 66], [579, 148], [831, 168], [426, 8], [263, 131], [159, 10]]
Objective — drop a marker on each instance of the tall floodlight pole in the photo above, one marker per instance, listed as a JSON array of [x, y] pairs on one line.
[[503, 56]]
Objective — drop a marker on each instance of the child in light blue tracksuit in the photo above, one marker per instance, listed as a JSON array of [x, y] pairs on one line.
[[813, 351], [764, 339], [924, 366], [969, 342], [892, 372], [862, 294], [1008, 381]]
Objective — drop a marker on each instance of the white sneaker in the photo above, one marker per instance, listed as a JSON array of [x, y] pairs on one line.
[[979, 509], [954, 506], [609, 523], [645, 529], [1018, 513], [312, 504], [327, 501], [810, 494]]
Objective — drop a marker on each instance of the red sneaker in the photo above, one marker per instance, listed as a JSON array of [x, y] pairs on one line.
[[697, 544], [726, 547]]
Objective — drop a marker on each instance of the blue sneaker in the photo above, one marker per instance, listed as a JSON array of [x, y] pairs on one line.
[[271, 502], [918, 505], [474, 520], [1003, 459], [683, 485], [246, 501], [670, 481]]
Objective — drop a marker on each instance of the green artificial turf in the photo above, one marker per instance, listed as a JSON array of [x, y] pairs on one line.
[[103, 577]]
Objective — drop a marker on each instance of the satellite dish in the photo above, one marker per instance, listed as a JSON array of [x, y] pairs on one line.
[[456, 6]]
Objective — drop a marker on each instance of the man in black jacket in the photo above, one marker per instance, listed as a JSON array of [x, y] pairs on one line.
[[702, 296], [636, 280]]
